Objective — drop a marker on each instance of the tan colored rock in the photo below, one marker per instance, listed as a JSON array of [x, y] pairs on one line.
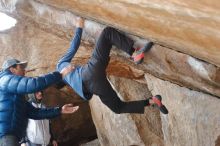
[[182, 69], [43, 34], [170, 65], [190, 27], [193, 118], [161, 61], [42, 50], [127, 129], [92, 143]]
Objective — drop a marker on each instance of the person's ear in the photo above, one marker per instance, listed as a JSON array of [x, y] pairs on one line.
[[12, 69]]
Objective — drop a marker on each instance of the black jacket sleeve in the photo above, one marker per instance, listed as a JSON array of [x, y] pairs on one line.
[[42, 113]]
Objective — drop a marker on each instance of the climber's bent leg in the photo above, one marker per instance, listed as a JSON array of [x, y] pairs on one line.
[[109, 37]]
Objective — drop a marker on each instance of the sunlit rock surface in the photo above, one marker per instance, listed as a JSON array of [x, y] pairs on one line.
[[191, 27], [161, 61], [185, 33]]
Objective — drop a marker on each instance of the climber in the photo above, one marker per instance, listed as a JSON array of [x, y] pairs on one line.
[[91, 78]]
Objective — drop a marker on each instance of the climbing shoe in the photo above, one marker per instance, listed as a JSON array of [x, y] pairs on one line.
[[138, 58], [157, 103]]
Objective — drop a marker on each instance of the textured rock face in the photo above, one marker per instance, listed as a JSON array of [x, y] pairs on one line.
[[42, 50], [92, 143], [70, 129], [43, 34], [163, 62], [193, 116], [183, 69], [191, 27], [127, 129]]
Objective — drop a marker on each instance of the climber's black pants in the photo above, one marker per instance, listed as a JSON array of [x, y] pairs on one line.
[[94, 72]]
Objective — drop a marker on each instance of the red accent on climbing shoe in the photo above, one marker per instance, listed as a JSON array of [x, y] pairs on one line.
[[138, 57], [157, 101], [137, 49]]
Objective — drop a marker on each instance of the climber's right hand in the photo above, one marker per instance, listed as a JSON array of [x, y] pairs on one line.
[[80, 22]]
